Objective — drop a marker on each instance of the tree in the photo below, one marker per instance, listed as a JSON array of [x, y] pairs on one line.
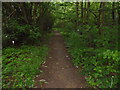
[[88, 14], [113, 12], [77, 14], [82, 13], [101, 16]]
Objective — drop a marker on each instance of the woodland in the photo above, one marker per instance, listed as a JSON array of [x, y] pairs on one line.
[[91, 36]]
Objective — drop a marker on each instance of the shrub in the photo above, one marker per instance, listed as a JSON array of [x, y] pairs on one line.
[[21, 34], [97, 54]]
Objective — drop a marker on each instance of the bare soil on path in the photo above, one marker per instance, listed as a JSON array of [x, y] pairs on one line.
[[58, 70]]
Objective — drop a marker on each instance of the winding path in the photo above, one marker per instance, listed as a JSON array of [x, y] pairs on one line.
[[58, 71]]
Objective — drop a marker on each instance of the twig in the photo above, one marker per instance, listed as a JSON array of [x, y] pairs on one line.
[[10, 14]]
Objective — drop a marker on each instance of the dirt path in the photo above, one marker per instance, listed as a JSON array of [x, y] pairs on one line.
[[58, 71]]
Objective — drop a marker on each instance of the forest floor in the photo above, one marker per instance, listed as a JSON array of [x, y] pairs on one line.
[[58, 70]]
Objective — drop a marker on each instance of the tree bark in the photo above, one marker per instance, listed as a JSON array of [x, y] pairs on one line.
[[118, 13], [77, 15], [85, 12], [24, 12], [82, 13], [113, 13], [101, 17], [103, 14], [88, 7]]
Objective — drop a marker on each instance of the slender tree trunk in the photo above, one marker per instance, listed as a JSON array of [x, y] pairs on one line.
[[34, 12], [101, 17], [88, 7], [77, 15], [24, 12], [118, 13], [103, 14], [82, 13], [113, 13], [29, 12], [85, 12]]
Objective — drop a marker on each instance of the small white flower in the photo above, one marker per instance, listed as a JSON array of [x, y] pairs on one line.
[[6, 36], [78, 30], [76, 66], [36, 75], [13, 42], [45, 66], [46, 82], [44, 62], [66, 56], [41, 71], [42, 80]]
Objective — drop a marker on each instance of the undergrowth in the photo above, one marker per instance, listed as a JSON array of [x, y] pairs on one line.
[[96, 54], [20, 65]]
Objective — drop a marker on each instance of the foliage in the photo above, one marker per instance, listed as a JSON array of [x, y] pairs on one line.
[[25, 23], [20, 65], [20, 33], [99, 59], [90, 30]]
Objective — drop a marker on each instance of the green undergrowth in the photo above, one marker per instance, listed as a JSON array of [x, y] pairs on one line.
[[20, 65], [97, 55]]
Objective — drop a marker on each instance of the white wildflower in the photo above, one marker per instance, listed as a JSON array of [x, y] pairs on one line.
[[66, 56], [13, 42], [36, 75], [76, 66], [44, 62], [46, 82], [42, 80], [45, 66]]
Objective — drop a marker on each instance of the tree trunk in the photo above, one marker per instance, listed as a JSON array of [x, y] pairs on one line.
[[113, 13], [85, 12], [29, 12], [101, 17], [103, 14], [24, 12], [77, 15], [82, 13], [88, 7], [118, 13]]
